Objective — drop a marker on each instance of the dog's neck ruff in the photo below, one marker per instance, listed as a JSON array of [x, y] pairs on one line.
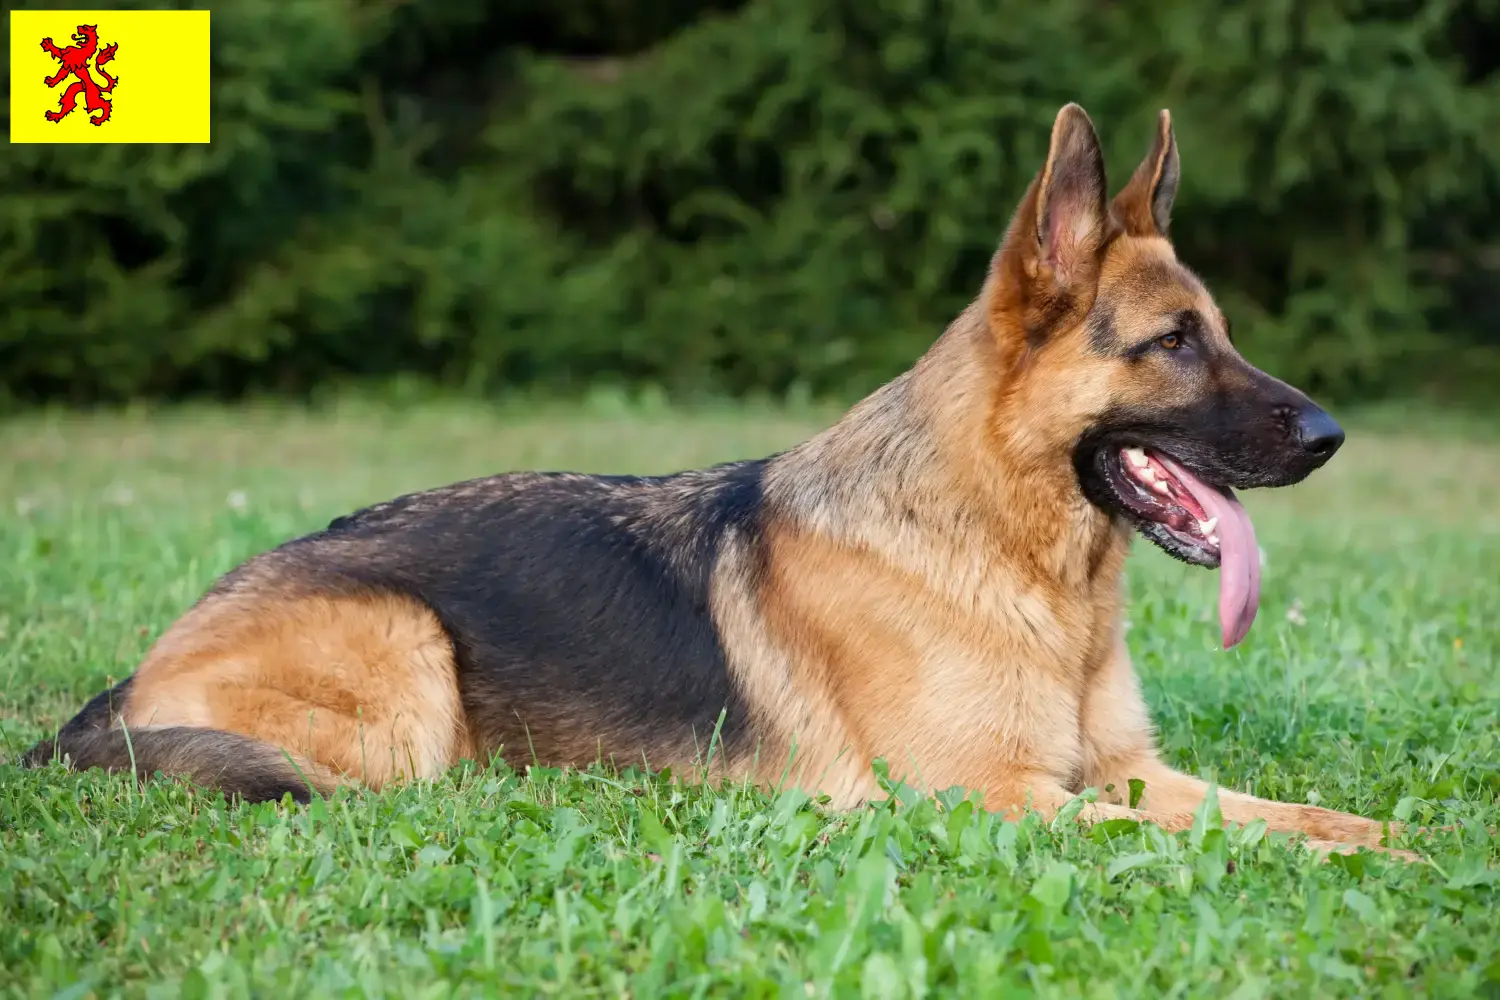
[[917, 472]]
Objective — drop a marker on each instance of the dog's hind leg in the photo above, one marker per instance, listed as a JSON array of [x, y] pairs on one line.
[[349, 687]]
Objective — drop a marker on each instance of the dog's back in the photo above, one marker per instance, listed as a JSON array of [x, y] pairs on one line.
[[560, 617]]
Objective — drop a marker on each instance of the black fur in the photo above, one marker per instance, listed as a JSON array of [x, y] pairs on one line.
[[93, 718], [1242, 436], [238, 766], [1101, 327], [578, 606], [1187, 324]]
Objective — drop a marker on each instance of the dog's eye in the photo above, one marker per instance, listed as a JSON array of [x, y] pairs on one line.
[[1170, 341]]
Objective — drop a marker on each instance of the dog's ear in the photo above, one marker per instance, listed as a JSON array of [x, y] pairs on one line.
[[1144, 205], [1070, 201], [1049, 262]]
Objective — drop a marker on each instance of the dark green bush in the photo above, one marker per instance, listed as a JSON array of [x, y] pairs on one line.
[[765, 196]]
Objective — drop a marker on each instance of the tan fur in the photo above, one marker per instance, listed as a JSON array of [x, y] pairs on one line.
[[980, 643], [363, 686]]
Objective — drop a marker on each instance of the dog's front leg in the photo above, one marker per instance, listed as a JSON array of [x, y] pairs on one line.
[[1046, 797], [1175, 796], [1011, 795], [1119, 746]]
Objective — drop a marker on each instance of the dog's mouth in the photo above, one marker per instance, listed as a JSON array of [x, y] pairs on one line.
[[1197, 522]]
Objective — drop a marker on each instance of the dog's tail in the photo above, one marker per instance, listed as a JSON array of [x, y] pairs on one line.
[[238, 765]]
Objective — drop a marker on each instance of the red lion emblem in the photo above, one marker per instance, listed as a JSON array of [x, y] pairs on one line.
[[75, 62]]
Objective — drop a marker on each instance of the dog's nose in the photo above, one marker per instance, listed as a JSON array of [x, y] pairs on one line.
[[1318, 433]]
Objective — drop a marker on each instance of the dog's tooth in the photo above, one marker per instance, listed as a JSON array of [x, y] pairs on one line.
[[1160, 486], [1137, 457], [1207, 527], [1213, 539]]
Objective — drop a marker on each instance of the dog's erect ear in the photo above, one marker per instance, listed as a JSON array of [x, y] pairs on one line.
[[1144, 205], [1048, 266], [1058, 230], [1070, 200]]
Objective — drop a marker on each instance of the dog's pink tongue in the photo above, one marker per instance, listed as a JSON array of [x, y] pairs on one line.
[[1239, 555]]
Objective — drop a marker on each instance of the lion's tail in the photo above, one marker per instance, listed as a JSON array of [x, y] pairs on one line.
[[105, 55]]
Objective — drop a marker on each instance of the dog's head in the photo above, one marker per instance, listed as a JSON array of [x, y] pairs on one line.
[[1121, 353]]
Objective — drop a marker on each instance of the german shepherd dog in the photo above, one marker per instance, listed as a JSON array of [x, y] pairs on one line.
[[935, 580]]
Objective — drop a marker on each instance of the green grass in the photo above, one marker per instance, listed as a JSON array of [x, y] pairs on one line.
[[1369, 683]]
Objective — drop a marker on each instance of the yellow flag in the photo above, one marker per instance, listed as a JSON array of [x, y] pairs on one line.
[[109, 76]]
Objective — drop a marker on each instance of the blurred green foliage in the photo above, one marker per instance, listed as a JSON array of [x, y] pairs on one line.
[[773, 195]]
